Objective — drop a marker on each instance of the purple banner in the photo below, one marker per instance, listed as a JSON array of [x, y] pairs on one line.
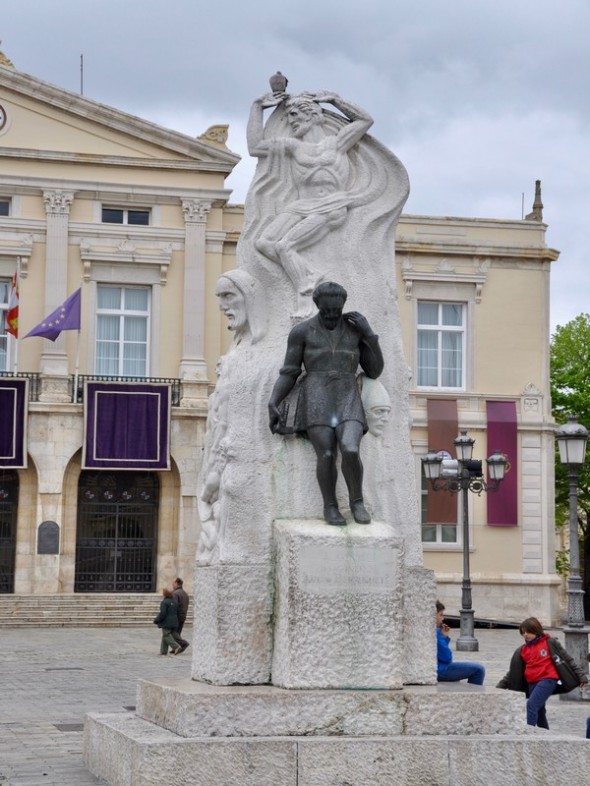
[[126, 426], [13, 422], [502, 436], [442, 431]]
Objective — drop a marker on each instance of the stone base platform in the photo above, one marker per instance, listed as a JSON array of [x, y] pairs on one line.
[[193, 734]]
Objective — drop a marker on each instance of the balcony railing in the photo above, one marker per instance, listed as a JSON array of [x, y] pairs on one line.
[[34, 382], [175, 385]]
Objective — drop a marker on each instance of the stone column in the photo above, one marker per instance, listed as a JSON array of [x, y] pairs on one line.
[[54, 360], [192, 364]]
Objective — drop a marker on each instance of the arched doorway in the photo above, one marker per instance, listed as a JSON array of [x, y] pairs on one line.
[[8, 514], [116, 534]]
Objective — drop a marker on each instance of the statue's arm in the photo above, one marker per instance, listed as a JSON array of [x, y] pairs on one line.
[[257, 145], [371, 357], [360, 120], [287, 377]]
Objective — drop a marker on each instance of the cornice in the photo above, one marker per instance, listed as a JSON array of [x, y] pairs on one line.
[[473, 249], [114, 119], [135, 193], [129, 162]]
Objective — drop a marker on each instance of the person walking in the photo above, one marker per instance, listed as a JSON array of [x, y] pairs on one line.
[[180, 596], [447, 669], [540, 668], [167, 621]]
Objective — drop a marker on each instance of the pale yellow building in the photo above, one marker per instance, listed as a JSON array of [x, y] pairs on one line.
[[137, 216]]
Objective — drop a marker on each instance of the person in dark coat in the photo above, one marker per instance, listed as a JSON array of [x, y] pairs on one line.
[[540, 668], [167, 621], [181, 598]]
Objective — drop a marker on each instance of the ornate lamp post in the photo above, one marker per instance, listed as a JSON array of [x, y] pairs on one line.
[[571, 439], [464, 474]]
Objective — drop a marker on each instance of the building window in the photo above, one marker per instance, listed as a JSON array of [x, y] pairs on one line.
[[4, 207], [441, 344], [122, 330], [437, 534], [118, 215]]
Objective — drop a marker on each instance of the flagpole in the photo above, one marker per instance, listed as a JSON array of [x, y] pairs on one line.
[[15, 358], [77, 369]]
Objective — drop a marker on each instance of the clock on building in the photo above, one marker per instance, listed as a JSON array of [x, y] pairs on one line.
[[3, 118]]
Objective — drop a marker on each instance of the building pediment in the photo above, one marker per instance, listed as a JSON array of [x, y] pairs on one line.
[[43, 118]]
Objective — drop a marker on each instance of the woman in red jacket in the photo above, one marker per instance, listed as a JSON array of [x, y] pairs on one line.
[[540, 668]]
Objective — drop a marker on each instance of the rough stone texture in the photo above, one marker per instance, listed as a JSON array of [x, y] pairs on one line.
[[193, 709], [439, 761], [419, 589], [232, 633], [455, 708], [127, 751], [338, 605]]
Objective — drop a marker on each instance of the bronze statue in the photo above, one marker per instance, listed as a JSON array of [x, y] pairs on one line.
[[330, 347]]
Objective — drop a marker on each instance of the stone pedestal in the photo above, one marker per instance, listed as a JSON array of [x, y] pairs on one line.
[[192, 734], [338, 606], [232, 630]]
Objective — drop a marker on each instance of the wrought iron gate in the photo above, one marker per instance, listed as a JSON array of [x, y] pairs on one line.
[[117, 532], [8, 514]]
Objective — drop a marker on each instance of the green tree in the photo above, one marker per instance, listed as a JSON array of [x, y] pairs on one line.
[[570, 393]]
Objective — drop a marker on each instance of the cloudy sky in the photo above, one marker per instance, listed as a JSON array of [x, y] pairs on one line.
[[478, 99]]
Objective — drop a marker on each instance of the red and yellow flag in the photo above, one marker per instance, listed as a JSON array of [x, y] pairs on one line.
[[12, 313]]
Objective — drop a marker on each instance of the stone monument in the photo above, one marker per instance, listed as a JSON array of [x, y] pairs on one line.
[[314, 658]]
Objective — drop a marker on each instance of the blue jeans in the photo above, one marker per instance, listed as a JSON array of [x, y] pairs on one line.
[[474, 673], [539, 692], [588, 728]]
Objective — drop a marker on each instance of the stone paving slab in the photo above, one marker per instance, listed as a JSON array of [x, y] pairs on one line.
[[53, 677]]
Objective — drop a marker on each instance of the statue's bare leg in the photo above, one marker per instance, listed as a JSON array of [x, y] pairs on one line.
[[309, 231], [323, 439], [349, 436]]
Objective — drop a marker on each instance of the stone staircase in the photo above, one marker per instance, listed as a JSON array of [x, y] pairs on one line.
[[78, 610]]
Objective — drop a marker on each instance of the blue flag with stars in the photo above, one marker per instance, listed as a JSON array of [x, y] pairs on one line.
[[65, 317]]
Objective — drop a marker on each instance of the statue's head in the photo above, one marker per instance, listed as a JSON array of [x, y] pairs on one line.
[[303, 114], [241, 301], [231, 302], [330, 298], [376, 403]]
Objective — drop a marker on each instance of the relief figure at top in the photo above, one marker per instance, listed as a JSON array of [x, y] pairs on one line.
[[315, 177]]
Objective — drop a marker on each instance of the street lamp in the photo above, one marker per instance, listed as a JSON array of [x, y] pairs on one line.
[[571, 439], [464, 474]]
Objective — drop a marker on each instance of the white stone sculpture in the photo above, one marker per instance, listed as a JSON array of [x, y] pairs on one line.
[[323, 205], [376, 403]]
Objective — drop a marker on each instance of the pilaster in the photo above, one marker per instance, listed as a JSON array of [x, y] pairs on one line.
[[192, 363], [54, 360]]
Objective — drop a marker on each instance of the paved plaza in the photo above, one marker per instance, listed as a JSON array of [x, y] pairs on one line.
[[52, 677]]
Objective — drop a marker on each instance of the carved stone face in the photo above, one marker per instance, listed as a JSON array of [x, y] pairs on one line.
[[377, 417], [232, 303], [301, 120]]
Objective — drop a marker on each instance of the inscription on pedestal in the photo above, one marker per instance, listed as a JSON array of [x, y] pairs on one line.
[[338, 568]]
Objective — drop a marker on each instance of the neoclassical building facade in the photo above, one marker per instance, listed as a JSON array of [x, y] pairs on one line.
[[137, 217]]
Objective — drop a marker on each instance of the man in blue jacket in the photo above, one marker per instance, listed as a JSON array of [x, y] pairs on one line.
[[447, 670]]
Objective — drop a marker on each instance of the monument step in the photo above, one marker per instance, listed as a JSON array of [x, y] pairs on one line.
[[126, 750]]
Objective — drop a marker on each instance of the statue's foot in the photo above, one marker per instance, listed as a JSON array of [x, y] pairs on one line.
[[333, 516], [309, 283], [305, 307], [359, 512]]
